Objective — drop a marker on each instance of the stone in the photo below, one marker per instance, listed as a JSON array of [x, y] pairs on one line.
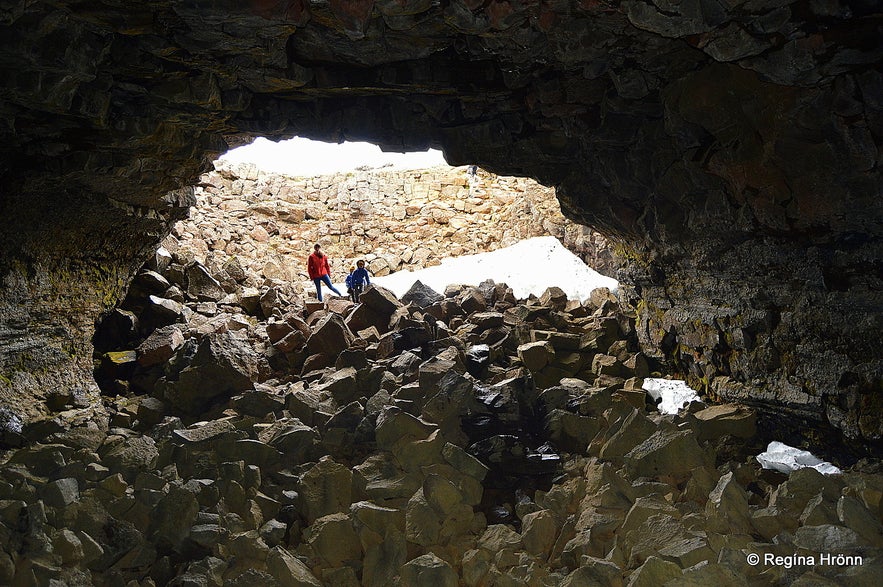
[[223, 365], [200, 284], [594, 571], [727, 507], [289, 570], [380, 300], [160, 346], [130, 456], [61, 492], [334, 540], [665, 453], [726, 419], [324, 489], [330, 336], [571, 432], [627, 432], [829, 538], [428, 571], [539, 532], [853, 514], [249, 299], [554, 297], [421, 295], [654, 571], [536, 355]]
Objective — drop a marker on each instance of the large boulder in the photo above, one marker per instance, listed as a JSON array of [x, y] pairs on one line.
[[330, 336], [222, 366]]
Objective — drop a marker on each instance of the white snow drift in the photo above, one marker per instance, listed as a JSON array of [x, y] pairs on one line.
[[674, 394], [528, 267]]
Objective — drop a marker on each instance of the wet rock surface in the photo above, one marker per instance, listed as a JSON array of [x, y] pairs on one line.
[[360, 461]]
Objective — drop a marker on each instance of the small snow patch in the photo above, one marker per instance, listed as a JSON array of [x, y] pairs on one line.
[[674, 394], [784, 458]]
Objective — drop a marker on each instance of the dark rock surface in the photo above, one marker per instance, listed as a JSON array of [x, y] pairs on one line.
[[731, 150], [404, 468]]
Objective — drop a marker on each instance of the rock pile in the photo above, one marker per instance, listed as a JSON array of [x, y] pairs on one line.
[[455, 438], [394, 220]]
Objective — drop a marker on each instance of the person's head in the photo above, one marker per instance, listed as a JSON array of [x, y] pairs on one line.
[[361, 264], [318, 249], [352, 269]]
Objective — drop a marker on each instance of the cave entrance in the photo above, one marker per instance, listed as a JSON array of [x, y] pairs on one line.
[[243, 248]]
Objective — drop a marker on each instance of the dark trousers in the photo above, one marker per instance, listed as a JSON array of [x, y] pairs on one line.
[[357, 291]]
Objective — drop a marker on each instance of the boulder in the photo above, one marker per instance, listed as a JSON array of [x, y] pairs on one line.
[[665, 452], [334, 540], [199, 283], [380, 299], [539, 532], [289, 570], [324, 489], [727, 507], [222, 366], [421, 295], [536, 355], [554, 297], [726, 419], [160, 346], [655, 571], [428, 571], [330, 336]]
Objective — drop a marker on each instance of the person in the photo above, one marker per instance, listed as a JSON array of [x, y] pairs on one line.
[[320, 271], [360, 280], [349, 284]]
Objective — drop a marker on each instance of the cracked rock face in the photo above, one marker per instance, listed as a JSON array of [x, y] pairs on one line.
[[732, 149]]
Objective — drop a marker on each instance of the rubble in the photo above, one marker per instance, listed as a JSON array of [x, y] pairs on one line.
[[474, 441]]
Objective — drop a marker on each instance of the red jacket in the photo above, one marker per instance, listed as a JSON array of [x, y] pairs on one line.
[[318, 266]]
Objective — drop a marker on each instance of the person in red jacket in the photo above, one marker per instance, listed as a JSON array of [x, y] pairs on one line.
[[320, 270]]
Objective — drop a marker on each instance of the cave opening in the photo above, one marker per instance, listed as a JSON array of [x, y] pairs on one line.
[[235, 265]]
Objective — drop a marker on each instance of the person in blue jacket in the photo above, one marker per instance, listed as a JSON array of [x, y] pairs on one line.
[[349, 283], [359, 280]]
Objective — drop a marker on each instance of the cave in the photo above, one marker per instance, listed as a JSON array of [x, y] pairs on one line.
[[731, 153]]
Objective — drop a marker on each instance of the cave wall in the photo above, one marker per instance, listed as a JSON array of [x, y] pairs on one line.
[[732, 150]]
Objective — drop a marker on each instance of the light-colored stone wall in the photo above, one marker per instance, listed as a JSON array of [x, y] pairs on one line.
[[392, 219]]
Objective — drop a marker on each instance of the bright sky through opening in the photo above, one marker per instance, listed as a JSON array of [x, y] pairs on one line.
[[303, 157]]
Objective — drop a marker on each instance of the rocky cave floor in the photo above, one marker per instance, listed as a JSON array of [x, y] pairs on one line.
[[247, 436]]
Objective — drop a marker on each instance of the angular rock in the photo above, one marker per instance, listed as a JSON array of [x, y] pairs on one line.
[[726, 419], [421, 295], [199, 283], [222, 366], [665, 453], [289, 570], [428, 571], [330, 336], [536, 355], [160, 346], [325, 489]]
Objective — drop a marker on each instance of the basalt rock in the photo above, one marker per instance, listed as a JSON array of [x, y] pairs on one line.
[[407, 468], [731, 152]]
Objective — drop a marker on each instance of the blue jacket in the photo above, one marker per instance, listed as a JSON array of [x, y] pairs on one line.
[[359, 278]]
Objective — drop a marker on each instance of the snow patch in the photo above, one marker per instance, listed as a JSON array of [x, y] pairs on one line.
[[674, 393], [784, 458], [528, 267]]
